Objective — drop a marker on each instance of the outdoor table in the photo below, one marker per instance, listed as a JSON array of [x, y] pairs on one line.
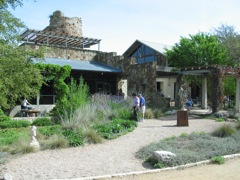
[[31, 112]]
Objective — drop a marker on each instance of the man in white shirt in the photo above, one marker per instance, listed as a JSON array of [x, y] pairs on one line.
[[24, 104], [136, 103]]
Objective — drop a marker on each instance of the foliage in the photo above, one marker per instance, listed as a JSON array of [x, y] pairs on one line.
[[149, 114], [55, 142], [217, 160], [91, 136], [58, 75], [197, 50], [14, 124], [115, 127], [220, 119], [75, 138], [50, 130], [238, 125], [157, 113], [229, 84], [224, 131], [8, 136], [22, 146], [229, 38], [192, 148], [84, 117], [110, 107], [78, 96], [44, 121], [15, 61], [3, 117]]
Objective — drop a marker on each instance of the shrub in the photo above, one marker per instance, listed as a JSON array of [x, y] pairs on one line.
[[224, 131], [78, 95], [22, 146], [157, 113], [124, 113], [55, 142], [192, 148], [149, 114], [238, 125], [14, 124], [220, 119], [110, 107], [75, 138], [217, 160], [50, 130], [44, 121], [9, 136], [84, 117], [115, 127], [3, 117], [91, 136]]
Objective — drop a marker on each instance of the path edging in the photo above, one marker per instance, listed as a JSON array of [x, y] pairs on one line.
[[150, 171]]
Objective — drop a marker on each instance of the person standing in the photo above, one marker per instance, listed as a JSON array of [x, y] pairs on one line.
[[189, 103], [136, 103], [142, 106]]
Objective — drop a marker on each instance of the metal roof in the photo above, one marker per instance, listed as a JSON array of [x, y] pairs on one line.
[[155, 46], [54, 39], [83, 65]]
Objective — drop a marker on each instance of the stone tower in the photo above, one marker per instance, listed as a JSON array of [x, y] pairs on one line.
[[64, 25]]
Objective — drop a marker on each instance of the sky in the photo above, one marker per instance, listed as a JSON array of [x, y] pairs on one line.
[[118, 23]]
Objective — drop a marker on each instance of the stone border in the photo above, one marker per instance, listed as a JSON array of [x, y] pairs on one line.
[[121, 175]]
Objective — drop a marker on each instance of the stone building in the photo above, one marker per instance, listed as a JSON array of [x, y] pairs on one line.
[[142, 68]]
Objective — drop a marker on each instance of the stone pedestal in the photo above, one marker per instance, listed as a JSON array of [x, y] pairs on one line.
[[182, 118]]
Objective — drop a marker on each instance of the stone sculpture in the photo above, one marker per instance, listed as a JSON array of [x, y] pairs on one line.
[[183, 97], [33, 133]]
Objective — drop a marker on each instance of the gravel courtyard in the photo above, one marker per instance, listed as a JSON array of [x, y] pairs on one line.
[[111, 157]]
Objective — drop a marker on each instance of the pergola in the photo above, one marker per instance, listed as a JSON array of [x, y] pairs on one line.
[[37, 37], [216, 72]]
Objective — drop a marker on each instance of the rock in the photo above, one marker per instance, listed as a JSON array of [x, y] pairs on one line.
[[164, 156], [7, 176]]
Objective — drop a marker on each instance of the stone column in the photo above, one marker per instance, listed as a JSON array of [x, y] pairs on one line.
[[238, 96], [204, 93]]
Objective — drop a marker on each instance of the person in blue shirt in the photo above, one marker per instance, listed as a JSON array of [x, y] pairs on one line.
[[142, 106], [189, 103]]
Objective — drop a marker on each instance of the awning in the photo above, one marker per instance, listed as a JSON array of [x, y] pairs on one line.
[[49, 38]]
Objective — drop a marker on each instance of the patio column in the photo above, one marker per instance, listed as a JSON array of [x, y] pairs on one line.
[[38, 100], [238, 96], [204, 93]]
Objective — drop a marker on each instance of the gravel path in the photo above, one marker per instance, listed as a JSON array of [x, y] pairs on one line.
[[110, 157]]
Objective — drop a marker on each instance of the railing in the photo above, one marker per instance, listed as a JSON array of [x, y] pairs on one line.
[[164, 68]]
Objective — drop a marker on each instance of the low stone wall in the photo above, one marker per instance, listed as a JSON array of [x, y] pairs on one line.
[[16, 111]]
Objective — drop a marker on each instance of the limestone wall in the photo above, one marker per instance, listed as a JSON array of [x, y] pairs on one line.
[[64, 25]]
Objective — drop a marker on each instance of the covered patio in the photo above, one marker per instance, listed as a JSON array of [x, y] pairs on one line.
[[216, 74]]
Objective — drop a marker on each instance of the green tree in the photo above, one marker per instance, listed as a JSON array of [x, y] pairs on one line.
[[230, 39], [197, 50], [18, 75]]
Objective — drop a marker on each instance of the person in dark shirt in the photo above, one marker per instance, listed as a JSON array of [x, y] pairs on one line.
[[142, 106]]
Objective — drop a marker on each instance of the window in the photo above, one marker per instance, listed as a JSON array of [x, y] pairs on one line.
[[144, 54]]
